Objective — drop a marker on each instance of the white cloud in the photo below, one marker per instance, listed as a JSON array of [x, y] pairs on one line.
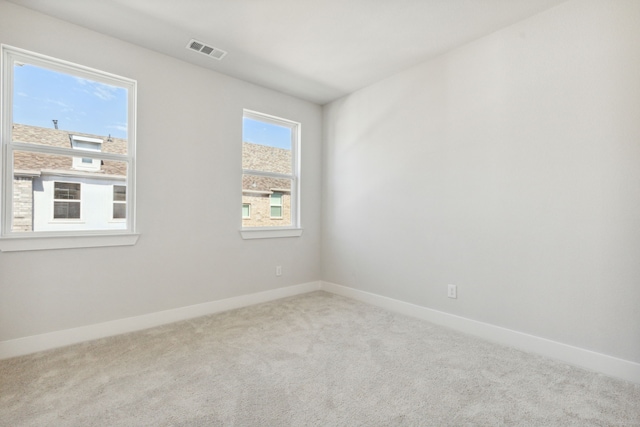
[[104, 91], [58, 103], [120, 126]]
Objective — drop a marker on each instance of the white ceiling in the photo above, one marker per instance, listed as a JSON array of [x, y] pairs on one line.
[[317, 50]]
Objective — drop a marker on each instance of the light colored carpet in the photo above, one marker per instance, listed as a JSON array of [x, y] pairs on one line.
[[311, 360]]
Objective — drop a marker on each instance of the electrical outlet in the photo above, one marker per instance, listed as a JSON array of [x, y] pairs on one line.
[[278, 270], [452, 291]]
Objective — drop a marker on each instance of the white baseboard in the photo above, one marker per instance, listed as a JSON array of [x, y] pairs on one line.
[[576, 356], [35, 343], [591, 360]]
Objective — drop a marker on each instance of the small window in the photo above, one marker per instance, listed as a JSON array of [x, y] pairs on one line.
[[246, 210], [270, 172], [66, 200], [119, 202], [276, 205]]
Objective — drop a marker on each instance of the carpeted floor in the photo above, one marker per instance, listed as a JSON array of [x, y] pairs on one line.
[[311, 360]]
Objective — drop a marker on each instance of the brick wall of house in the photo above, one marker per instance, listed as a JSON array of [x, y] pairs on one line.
[[22, 204], [261, 211]]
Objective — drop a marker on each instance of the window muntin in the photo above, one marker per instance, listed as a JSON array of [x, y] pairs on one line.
[[94, 151], [66, 200], [270, 166]]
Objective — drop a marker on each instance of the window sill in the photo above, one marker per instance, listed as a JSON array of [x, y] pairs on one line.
[[38, 243], [263, 233]]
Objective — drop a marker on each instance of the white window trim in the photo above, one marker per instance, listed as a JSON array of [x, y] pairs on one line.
[[41, 240], [295, 229]]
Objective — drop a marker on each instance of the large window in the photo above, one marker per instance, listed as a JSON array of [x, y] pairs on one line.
[[68, 154], [270, 175]]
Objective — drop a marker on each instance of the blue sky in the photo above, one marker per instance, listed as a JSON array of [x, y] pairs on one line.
[[79, 105], [266, 134], [41, 96]]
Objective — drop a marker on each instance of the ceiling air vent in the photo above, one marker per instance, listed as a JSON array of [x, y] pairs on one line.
[[202, 48]]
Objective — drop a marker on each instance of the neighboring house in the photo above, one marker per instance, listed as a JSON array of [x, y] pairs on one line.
[[55, 192], [266, 201]]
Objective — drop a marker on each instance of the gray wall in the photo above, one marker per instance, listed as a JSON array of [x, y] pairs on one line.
[[189, 198], [509, 167]]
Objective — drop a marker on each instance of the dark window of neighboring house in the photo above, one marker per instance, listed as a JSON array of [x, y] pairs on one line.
[[275, 201], [66, 200], [119, 202]]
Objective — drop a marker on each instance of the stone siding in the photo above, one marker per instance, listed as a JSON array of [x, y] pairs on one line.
[[22, 204]]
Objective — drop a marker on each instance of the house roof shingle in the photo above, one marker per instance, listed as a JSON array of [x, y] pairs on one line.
[[27, 161]]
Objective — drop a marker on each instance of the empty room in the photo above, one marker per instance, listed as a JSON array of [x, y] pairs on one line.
[[295, 212]]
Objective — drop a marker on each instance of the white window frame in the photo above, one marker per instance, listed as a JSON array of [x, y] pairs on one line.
[[295, 228], [41, 240]]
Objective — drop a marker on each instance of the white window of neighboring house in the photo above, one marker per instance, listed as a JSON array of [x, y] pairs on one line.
[[66, 200], [119, 202], [246, 210], [65, 122], [271, 160], [275, 202]]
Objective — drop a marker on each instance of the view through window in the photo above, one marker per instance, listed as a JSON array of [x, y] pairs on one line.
[[69, 147], [270, 171]]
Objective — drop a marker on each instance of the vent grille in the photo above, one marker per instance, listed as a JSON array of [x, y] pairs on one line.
[[204, 49]]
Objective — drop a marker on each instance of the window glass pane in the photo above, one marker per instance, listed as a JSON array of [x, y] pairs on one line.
[[119, 193], [119, 210], [276, 199], [276, 211], [50, 107], [63, 190], [48, 188], [266, 147], [246, 210], [66, 210]]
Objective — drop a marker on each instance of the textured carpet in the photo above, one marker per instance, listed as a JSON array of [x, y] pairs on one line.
[[311, 360]]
